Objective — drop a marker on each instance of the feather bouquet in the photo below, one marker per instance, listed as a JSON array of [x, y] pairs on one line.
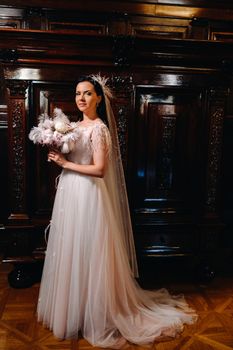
[[57, 132]]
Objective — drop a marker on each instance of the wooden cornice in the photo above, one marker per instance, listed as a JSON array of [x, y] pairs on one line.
[[34, 47], [162, 8]]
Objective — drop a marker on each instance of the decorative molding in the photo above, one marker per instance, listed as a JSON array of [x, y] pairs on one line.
[[17, 90], [6, 24], [227, 64], [3, 116], [123, 48], [122, 128], [8, 55], [118, 15], [78, 27], [121, 84], [168, 140], [199, 22], [217, 111], [34, 12], [123, 88], [17, 109]]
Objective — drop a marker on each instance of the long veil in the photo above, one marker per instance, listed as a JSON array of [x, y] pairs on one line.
[[115, 182]]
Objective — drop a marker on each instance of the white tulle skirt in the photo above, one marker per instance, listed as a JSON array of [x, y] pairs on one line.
[[87, 283]]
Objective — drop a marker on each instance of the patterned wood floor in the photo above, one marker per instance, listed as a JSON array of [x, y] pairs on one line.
[[19, 329]]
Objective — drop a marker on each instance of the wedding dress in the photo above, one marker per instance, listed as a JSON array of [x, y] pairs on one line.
[[87, 283]]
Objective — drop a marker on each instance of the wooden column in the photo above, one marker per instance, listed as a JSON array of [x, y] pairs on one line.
[[217, 101], [17, 153]]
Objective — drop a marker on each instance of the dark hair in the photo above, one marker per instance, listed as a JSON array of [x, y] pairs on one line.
[[101, 109]]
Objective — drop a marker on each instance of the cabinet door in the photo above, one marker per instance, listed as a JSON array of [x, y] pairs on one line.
[[167, 153], [44, 98], [166, 142]]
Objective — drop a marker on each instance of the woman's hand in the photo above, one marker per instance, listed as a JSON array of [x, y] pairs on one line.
[[57, 157], [96, 169]]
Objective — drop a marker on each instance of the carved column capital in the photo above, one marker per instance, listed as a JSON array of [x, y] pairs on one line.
[[17, 88]]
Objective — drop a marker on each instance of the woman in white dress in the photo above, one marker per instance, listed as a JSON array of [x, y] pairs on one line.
[[88, 280]]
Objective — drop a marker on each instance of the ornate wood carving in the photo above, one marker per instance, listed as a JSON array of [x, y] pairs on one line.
[[9, 24], [164, 132], [217, 107], [122, 128], [17, 108], [34, 18], [123, 47], [8, 55], [17, 122], [167, 150], [17, 88], [123, 88], [34, 12], [227, 65], [121, 84]]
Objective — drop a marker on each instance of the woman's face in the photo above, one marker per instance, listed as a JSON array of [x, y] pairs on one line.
[[86, 98]]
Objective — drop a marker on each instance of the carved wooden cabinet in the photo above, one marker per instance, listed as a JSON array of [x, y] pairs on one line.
[[172, 101], [176, 136]]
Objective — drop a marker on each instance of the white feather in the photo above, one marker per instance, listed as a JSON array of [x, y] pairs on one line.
[[63, 136]]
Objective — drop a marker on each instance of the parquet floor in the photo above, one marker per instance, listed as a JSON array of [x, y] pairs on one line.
[[19, 329]]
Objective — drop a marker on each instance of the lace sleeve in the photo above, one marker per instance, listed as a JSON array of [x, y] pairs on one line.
[[100, 138]]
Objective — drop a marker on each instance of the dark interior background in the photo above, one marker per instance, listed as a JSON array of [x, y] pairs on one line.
[[170, 66]]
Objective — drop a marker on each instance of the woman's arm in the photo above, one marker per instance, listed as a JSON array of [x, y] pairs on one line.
[[96, 169]]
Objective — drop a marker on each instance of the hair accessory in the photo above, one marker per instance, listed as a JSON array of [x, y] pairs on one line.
[[103, 83]]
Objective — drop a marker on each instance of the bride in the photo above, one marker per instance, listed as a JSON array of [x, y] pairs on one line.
[[88, 280]]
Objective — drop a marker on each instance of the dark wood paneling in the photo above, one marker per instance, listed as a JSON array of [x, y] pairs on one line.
[[176, 134], [44, 97], [12, 17], [122, 104], [207, 29], [159, 27], [108, 51], [3, 161], [161, 18], [17, 160], [168, 123], [170, 93]]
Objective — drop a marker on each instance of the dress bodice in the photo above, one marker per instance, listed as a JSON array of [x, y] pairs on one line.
[[89, 138]]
